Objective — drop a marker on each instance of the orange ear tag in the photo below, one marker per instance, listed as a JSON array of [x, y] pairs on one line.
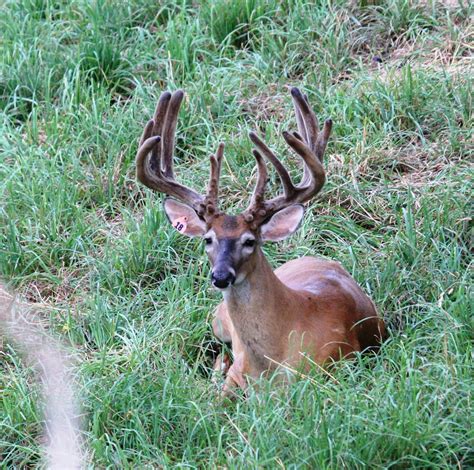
[[180, 224]]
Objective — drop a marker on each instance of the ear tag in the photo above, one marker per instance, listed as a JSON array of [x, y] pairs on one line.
[[180, 223]]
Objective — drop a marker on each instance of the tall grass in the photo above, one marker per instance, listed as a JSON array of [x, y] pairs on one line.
[[92, 250]]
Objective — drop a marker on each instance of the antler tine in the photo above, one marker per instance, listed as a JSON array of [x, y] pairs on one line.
[[305, 118], [281, 170], [323, 138], [160, 112], [212, 197], [158, 120], [262, 178], [147, 132], [257, 204], [169, 129], [300, 122], [257, 208]]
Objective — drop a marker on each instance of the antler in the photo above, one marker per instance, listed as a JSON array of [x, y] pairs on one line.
[[309, 143], [154, 159]]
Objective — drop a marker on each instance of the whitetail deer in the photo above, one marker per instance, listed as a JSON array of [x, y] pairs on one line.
[[308, 306]]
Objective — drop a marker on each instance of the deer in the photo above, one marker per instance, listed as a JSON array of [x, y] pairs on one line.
[[308, 310]]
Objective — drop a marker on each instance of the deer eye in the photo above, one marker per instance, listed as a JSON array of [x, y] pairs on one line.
[[249, 243], [208, 240]]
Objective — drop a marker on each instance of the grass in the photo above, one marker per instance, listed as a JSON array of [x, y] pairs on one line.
[[91, 249]]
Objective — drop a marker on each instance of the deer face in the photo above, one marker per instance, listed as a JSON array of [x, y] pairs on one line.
[[232, 244]]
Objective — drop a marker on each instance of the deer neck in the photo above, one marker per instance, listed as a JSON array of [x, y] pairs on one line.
[[257, 308]]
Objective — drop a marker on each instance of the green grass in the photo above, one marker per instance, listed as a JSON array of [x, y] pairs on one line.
[[92, 248]]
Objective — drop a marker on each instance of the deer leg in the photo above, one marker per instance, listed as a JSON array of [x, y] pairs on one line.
[[235, 377], [222, 324], [236, 371], [222, 363], [222, 328]]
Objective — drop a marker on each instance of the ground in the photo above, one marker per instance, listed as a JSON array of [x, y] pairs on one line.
[[93, 254]]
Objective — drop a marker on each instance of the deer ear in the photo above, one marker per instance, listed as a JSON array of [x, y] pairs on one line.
[[184, 219], [282, 224]]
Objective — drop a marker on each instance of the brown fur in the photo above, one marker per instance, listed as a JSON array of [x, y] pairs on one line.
[[229, 226], [307, 306]]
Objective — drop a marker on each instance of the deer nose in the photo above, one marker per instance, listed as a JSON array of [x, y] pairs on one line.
[[222, 278]]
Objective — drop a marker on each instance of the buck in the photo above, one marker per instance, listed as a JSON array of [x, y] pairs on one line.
[[308, 307]]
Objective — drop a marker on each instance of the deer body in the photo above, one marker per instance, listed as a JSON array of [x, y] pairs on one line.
[[307, 307]]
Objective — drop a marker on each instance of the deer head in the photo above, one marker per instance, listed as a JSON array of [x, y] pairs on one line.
[[233, 242]]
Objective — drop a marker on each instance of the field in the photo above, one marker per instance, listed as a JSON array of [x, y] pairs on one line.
[[90, 249]]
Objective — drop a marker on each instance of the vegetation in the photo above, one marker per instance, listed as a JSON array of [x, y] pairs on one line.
[[92, 250]]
